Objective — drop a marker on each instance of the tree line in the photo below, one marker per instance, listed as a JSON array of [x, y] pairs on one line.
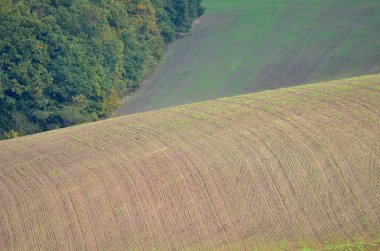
[[65, 62]]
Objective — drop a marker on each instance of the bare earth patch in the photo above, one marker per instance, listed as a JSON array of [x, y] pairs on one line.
[[279, 169]]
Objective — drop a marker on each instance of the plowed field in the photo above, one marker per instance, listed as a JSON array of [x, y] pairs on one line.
[[280, 169]]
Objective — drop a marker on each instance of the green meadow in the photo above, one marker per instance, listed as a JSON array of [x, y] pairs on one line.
[[244, 46]]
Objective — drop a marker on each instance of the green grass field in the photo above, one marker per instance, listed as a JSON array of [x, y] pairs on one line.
[[243, 46]]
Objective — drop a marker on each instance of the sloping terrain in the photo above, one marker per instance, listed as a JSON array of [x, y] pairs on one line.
[[288, 168], [244, 46]]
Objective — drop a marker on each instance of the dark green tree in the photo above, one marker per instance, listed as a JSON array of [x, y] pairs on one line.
[[65, 62]]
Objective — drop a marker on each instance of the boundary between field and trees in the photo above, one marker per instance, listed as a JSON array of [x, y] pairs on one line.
[[67, 62]]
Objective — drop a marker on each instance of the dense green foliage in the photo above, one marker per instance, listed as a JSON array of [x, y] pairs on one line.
[[65, 62]]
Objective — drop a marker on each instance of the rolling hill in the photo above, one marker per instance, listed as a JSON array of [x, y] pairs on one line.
[[245, 46], [286, 169]]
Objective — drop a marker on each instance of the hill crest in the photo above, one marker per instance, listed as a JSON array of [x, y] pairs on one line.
[[288, 167]]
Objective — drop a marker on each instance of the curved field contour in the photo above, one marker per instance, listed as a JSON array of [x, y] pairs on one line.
[[287, 168]]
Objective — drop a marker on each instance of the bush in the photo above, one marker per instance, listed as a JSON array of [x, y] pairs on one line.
[[71, 116]]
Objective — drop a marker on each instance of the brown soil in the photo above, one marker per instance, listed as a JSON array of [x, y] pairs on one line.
[[275, 169]]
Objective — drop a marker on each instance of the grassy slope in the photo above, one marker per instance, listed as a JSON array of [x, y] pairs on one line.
[[244, 45], [279, 169]]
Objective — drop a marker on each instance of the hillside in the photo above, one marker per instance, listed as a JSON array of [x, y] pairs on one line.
[[288, 168], [65, 62], [242, 46]]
